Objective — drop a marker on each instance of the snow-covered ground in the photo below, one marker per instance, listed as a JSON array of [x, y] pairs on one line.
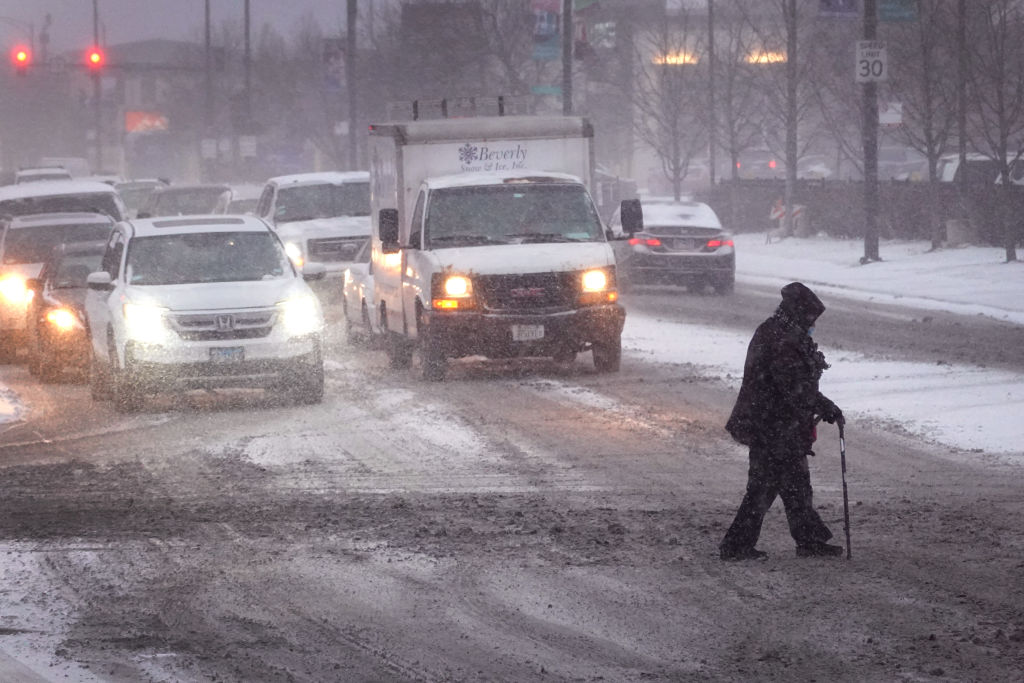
[[968, 408]]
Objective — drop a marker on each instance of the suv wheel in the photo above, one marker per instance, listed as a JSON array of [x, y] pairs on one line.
[[99, 382], [308, 387], [608, 354]]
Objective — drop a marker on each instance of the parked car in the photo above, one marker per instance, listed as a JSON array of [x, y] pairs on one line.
[[56, 330], [37, 174], [61, 196], [358, 300], [25, 244], [322, 217], [682, 243], [202, 302], [136, 192], [186, 200]]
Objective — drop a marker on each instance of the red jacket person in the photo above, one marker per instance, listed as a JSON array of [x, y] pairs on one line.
[[775, 414]]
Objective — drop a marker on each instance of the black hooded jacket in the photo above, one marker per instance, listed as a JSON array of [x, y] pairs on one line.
[[779, 396]]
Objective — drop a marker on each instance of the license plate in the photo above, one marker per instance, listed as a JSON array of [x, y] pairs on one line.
[[228, 354], [527, 332]]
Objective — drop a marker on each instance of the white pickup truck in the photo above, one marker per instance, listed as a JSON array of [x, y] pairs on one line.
[[486, 242]]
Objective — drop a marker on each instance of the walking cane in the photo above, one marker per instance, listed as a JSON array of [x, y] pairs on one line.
[[846, 497]]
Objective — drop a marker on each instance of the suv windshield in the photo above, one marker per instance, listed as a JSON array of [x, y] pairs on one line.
[[322, 201], [187, 202], [34, 244], [88, 202], [512, 213], [206, 257]]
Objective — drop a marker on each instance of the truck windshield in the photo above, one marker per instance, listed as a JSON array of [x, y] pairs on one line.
[[510, 214], [34, 244], [307, 202], [206, 257]]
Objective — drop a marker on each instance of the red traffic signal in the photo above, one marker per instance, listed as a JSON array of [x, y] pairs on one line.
[[21, 57], [94, 58]]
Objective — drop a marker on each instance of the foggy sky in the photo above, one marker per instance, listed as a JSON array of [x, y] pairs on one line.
[[130, 20]]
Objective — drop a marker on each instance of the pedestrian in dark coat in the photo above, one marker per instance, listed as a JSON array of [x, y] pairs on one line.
[[775, 415]]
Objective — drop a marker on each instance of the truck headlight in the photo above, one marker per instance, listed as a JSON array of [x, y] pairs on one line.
[[144, 323], [458, 287], [301, 316], [294, 252], [595, 281], [14, 291]]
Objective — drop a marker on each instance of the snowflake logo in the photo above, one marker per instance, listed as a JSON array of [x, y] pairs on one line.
[[468, 153]]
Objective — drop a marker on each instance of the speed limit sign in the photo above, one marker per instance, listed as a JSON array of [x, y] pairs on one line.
[[872, 62]]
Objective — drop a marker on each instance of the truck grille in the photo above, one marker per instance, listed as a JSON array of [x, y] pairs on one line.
[[223, 325], [532, 291], [333, 249]]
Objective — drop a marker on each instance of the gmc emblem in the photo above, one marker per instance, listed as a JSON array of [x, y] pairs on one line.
[[523, 292]]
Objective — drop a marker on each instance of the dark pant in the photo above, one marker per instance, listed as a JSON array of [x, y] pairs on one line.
[[776, 471]]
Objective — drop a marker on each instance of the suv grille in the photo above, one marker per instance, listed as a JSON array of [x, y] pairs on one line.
[[223, 325], [334, 249], [532, 291]]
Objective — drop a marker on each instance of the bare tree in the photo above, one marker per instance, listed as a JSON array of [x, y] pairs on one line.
[[996, 91], [670, 118], [740, 117]]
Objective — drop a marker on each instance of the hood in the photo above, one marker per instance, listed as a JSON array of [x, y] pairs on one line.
[[70, 297], [801, 303], [25, 270], [219, 295], [524, 258], [339, 226]]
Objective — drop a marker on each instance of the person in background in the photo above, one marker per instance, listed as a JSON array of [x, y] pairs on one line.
[[775, 415]]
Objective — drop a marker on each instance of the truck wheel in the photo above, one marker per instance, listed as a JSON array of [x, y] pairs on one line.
[[8, 348], [433, 364], [99, 382], [127, 397], [308, 388], [398, 349], [608, 354], [48, 369]]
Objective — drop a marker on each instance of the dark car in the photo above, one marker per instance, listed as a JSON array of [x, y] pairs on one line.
[[681, 243], [186, 200], [57, 334]]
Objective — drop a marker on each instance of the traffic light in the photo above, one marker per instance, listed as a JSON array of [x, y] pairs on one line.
[[21, 56], [95, 59]]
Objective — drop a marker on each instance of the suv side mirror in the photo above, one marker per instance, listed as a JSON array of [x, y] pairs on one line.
[[387, 228], [100, 280], [632, 216]]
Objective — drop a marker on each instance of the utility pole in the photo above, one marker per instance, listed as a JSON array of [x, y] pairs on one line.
[[567, 39], [961, 95], [713, 122], [351, 74], [870, 124], [248, 65], [97, 89], [791, 112], [208, 66]]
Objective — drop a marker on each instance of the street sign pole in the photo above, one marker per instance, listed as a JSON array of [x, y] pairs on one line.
[[871, 67]]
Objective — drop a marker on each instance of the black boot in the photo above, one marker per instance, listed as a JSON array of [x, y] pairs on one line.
[[818, 549], [739, 554]]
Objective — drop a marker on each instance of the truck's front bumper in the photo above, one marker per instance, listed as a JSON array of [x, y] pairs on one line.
[[468, 333]]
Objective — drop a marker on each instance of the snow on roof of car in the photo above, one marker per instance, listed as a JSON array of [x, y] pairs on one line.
[[53, 188], [499, 178], [694, 214], [210, 223], [62, 218], [322, 178]]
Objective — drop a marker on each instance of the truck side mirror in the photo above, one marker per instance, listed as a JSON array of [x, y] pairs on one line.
[[632, 216], [100, 281], [387, 228]]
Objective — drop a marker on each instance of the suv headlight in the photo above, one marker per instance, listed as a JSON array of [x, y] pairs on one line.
[[144, 323], [301, 316], [63, 319], [13, 290]]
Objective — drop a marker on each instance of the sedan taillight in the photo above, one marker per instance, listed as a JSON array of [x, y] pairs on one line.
[[715, 244]]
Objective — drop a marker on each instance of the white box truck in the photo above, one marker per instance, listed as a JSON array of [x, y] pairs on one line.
[[486, 242]]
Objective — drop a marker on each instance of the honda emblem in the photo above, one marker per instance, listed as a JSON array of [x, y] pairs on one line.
[[225, 323]]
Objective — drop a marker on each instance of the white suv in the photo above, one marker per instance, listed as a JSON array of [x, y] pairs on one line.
[[202, 302]]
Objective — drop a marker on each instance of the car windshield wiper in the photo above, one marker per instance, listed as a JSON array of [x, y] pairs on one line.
[[543, 237], [466, 239]]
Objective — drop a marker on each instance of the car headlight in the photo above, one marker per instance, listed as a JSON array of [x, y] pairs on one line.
[[595, 281], [144, 323], [294, 252], [301, 316], [63, 319], [14, 291], [458, 287]]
